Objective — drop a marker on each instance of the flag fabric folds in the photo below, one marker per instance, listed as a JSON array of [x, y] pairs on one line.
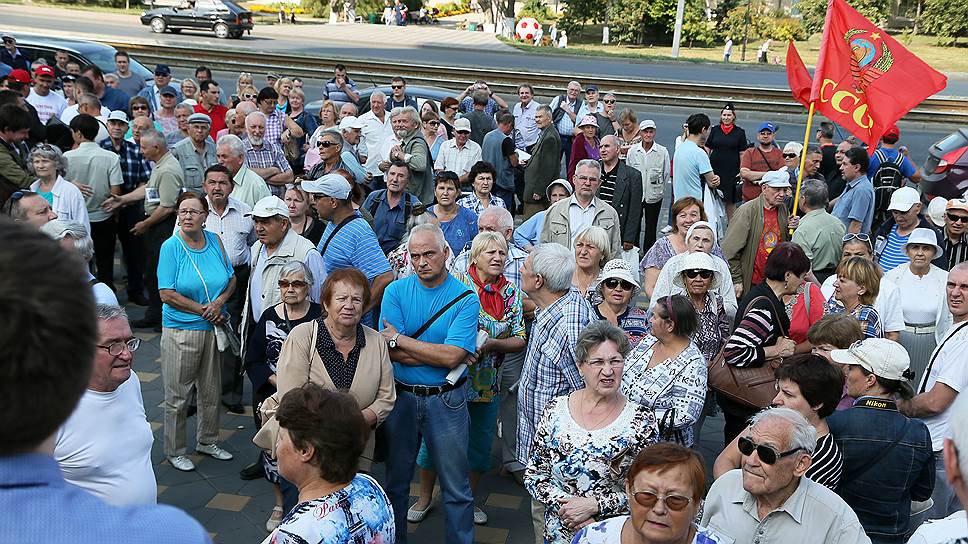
[[797, 76]]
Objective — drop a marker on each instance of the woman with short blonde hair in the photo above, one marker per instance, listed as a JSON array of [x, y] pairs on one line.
[[855, 290]]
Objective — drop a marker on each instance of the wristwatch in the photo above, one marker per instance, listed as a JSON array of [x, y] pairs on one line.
[[393, 341]]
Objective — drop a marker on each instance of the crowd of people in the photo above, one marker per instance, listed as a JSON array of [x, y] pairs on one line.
[[405, 284]]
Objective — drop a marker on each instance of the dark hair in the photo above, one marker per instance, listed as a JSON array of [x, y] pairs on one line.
[[221, 169], [351, 276], [191, 195], [526, 86], [400, 164], [786, 257], [480, 98], [87, 125], [205, 84], [857, 156], [96, 72], [46, 311], [400, 79], [504, 117], [267, 93], [13, 117], [206, 70], [820, 382], [681, 312], [663, 456], [138, 100], [331, 423], [121, 54], [896, 387], [684, 203], [447, 177], [826, 129], [481, 167], [84, 83], [697, 123], [340, 67]]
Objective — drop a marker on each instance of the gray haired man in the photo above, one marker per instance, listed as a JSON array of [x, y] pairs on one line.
[[568, 217]]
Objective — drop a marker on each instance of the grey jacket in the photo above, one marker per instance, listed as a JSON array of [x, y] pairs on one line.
[[557, 225]]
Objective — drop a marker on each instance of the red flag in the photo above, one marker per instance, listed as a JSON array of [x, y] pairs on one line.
[[865, 80], [798, 76]]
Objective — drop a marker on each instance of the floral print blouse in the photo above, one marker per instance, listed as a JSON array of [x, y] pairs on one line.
[[567, 460], [712, 328]]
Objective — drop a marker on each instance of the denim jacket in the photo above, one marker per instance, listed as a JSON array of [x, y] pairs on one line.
[[882, 496]]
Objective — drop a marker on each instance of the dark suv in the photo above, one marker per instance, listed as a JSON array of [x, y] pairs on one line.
[[225, 19], [83, 52]]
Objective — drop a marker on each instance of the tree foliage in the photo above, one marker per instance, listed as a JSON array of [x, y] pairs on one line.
[[641, 21], [815, 11], [536, 9], [697, 29], [946, 19], [577, 13]]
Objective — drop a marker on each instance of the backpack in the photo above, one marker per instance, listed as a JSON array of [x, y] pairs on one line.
[[886, 179], [559, 113], [381, 194]]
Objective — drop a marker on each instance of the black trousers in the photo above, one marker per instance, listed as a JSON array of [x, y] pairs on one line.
[[153, 238], [133, 248], [508, 197], [231, 363], [104, 234], [651, 217]]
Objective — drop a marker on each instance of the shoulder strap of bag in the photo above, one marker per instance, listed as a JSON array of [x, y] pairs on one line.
[[927, 371], [877, 459], [753, 302], [377, 199], [423, 328], [806, 300], [195, 266], [342, 224], [765, 159]]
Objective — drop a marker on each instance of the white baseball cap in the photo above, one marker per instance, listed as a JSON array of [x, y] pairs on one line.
[[331, 185], [648, 123], [350, 122], [936, 211], [885, 358], [118, 115], [903, 199], [269, 206], [462, 125]]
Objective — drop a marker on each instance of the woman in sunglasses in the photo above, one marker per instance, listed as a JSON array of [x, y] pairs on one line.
[[812, 386], [262, 356], [700, 238], [666, 372], [431, 130], [616, 288], [664, 489], [244, 80], [586, 441], [249, 93]]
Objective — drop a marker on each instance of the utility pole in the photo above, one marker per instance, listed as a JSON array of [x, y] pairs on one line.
[[746, 30], [677, 33]]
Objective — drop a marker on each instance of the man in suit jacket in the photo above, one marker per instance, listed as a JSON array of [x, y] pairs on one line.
[[621, 188], [544, 166], [583, 209]]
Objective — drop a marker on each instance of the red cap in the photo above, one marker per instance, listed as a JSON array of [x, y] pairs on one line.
[[20, 76], [893, 132], [43, 70]]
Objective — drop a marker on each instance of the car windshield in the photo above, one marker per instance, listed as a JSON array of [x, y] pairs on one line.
[[951, 142], [104, 59]]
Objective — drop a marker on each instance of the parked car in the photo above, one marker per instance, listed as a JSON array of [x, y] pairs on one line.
[[422, 94], [83, 52], [225, 19], [945, 171]]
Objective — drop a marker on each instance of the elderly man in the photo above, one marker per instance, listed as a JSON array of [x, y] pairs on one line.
[[210, 104], [889, 238], [955, 242], [755, 229], [350, 128], [31, 208], [820, 234], [945, 377], [14, 127], [105, 446], [153, 92], [249, 187], [855, 207], [652, 161], [498, 150], [524, 113], [583, 209], [563, 113], [329, 144], [550, 365], [410, 148], [348, 240], [459, 153], [544, 166], [263, 157], [768, 499], [765, 156], [182, 112], [391, 208], [376, 130], [621, 188], [429, 320], [55, 364], [197, 152]]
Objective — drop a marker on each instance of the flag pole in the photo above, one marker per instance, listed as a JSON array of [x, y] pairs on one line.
[[803, 160]]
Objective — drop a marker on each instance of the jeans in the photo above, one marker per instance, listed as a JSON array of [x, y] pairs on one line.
[[442, 420], [483, 423], [945, 500], [507, 195]]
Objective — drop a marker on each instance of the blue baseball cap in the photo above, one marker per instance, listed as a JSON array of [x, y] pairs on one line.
[[162, 70], [766, 126], [169, 90]]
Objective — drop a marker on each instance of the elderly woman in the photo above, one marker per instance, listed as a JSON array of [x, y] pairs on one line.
[[923, 297], [195, 280], [431, 129], [700, 237], [762, 325], [482, 176], [262, 353], [855, 290], [328, 116], [629, 133], [73, 236], [301, 217], [306, 121], [189, 90], [321, 436], [528, 233], [283, 87], [49, 165], [616, 288], [685, 212], [458, 223], [699, 279], [664, 489], [429, 106], [586, 441], [501, 324], [666, 372], [592, 251], [585, 145], [812, 386]]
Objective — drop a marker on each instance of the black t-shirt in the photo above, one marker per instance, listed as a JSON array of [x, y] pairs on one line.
[[828, 161], [265, 343]]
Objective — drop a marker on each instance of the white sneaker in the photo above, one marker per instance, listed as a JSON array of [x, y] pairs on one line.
[[182, 463], [480, 518], [213, 450]]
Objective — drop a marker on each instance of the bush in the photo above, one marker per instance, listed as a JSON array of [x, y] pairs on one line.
[[815, 11], [946, 19], [697, 30], [785, 29], [537, 9], [316, 8], [735, 24]]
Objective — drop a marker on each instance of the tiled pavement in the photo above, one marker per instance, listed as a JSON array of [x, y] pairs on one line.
[[234, 511]]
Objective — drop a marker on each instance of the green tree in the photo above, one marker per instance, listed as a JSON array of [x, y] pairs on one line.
[[318, 8], [577, 13], [946, 19], [697, 29], [815, 11], [749, 18], [641, 21]]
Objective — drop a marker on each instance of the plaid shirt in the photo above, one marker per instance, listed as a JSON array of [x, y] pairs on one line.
[[275, 125], [474, 203], [550, 368], [135, 169], [266, 157], [512, 268]]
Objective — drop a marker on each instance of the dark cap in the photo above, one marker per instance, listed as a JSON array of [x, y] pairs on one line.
[[591, 88], [162, 70], [169, 90]]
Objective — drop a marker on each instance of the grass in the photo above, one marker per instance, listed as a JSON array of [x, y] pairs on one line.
[[952, 59]]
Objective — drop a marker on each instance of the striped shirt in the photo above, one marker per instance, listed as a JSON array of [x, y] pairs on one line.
[[354, 246], [827, 463], [893, 253], [234, 228], [266, 156], [760, 326], [957, 252]]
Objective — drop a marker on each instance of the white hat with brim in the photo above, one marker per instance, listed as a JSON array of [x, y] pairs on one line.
[[697, 261], [936, 210], [331, 185], [618, 269], [925, 237], [269, 206], [776, 178], [563, 182]]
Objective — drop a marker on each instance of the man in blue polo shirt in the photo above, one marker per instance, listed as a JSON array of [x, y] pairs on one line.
[[392, 207], [855, 206], [429, 321]]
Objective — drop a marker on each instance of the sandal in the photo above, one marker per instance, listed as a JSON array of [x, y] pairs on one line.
[[274, 519]]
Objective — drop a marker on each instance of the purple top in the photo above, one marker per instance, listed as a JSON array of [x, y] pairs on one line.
[[660, 253]]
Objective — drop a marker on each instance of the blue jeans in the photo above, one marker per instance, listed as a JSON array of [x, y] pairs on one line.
[[443, 422]]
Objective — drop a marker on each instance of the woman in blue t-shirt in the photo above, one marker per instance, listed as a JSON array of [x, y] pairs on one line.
[[195, 279], [458, 223]]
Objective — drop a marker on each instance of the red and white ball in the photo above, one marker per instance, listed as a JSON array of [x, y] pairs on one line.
[[527, 28]]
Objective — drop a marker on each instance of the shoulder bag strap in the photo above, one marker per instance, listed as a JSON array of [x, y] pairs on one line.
[[806, 300], [377, 199], [927, 371], [423, 328], [877, 459], [765, 159], [342, 224], [199, 272], [752, 302]]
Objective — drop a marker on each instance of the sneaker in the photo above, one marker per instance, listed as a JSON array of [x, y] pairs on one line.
[[213, 450], [480, 518], [182, 463], [666, 229]]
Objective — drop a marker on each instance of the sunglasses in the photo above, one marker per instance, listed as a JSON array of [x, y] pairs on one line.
[[957, 218], [608, 101], [249, 96], [648, 499], [286, 284], [615, 283], [857, 235], [433, 123], [767, 454], [704, 274], [396, 86], [790, 155], [326, 145], [136, 108]]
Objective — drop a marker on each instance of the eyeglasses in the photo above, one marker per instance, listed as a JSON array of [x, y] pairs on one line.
[[396, 86], [326, 145], [957, 218], [117, 348], [767, 454], [249, 96], [602, 363], [297, 284], [433, 123], [607, 101], [790, 155], [704, 274], [615, 283], [673, 502], [193, 213], [586, 178]]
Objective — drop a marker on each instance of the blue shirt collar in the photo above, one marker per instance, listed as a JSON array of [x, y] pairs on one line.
[[29, 469]]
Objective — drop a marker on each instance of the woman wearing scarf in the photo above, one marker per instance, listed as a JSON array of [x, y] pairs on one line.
[[725, 143], [500, 331]]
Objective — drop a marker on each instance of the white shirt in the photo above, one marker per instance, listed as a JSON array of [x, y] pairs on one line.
[[525, 127], [48, 106], [375, 132], [948, 368], [579, 218], [922, 298], [68, 203], [457, 160], [105, 446], [102, 293], [71, 112], [941, 531], [236, 231], [887, 303]]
